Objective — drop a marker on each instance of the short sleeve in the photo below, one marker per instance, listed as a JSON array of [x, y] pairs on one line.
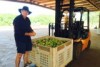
[[22, 26], [28, 26]]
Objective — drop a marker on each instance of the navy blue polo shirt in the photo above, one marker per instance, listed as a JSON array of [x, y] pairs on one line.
[[21, 26]]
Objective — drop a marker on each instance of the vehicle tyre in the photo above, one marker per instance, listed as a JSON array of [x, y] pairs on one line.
[[77, 49]]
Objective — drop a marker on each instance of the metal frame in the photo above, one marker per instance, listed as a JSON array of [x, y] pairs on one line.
[[88, 20], [59, 15], [57, 18], [59, 12]]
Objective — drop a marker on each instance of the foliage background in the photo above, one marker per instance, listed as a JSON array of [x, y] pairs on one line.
[[7, 19]]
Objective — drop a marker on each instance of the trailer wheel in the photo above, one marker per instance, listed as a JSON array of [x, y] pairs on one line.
[[77, 50], [89, 44]]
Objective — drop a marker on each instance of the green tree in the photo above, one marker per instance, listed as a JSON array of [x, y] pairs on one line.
[[7, 19], [42, 19]]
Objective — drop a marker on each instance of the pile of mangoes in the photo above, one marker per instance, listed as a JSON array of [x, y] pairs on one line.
[[51, 42]]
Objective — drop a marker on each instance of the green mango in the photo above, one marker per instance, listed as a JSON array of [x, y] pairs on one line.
[[52, 42]]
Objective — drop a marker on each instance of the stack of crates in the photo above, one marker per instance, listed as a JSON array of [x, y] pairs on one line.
[[59, 56]]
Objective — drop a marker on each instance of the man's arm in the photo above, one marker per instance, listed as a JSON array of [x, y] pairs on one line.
[[30, 33]]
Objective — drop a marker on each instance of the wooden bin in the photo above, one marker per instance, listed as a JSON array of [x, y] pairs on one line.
[[52, 57]]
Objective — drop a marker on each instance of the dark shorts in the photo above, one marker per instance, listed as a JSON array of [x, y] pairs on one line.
[[23, 44]]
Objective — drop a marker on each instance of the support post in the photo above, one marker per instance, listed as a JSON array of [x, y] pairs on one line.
[[71, 10], [88, 19], [99, 20], [57, 18]]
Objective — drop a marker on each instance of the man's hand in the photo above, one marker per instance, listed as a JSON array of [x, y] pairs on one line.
[[30, 34]]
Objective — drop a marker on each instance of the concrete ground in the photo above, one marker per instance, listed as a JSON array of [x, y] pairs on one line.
[[8, 47], [90, 58]]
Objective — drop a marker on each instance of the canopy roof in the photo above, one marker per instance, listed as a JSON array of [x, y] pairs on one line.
[[92, 5]]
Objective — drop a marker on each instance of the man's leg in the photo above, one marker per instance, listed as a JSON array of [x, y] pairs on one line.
[[26, 57], [18, 58]]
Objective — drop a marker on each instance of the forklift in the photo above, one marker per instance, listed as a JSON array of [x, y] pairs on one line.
[[74, 29]]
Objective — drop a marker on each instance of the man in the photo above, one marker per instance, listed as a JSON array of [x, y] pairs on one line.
[[22, 33]]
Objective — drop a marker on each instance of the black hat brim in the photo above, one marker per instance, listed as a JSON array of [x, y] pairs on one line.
[[22, 9]]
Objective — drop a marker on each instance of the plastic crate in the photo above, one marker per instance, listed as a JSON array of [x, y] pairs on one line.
[[52, 57]]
